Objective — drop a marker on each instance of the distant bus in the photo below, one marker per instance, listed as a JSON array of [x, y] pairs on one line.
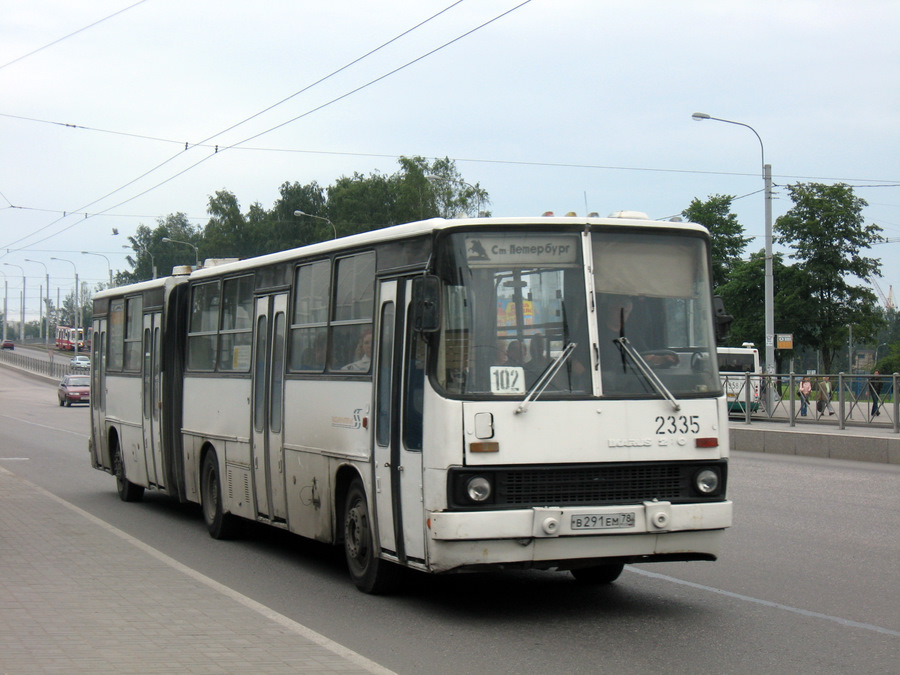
[[68, 338], [734, 365], [442, 395]]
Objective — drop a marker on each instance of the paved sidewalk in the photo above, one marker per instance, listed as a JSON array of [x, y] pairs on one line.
[[80, 596]]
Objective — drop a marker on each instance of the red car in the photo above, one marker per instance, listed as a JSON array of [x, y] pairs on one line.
[[74, 389]]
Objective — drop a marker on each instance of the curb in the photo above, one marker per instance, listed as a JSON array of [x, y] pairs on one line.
[[833, 444]]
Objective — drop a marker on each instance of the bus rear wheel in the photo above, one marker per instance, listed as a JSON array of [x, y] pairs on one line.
[[221, 525], [128, 491], [599, 574], [369, 572]]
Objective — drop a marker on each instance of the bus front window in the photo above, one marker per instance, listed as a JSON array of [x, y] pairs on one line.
[[512, 303], [654, 292]]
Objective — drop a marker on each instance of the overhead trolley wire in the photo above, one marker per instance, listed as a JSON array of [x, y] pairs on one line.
[[66, 37], [233, 146]]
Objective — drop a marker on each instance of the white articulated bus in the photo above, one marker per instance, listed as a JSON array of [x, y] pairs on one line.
[[441, 395]]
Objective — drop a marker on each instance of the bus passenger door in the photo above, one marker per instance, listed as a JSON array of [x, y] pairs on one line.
[[267, 435], [98, 396], [399, 383], [151, 399]]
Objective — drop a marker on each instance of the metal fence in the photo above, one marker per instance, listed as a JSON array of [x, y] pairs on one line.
[[856, 400], [56, 367], [842, 399]]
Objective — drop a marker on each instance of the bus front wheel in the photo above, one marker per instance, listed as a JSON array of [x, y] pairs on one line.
[[221, 525], [369, 572], [599, 574]]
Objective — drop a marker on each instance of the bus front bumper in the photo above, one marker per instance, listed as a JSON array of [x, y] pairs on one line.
[[544, 535]]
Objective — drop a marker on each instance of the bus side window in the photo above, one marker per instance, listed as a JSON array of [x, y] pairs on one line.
[[413, 403]]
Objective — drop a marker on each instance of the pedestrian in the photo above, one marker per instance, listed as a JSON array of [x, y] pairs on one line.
[[875, 385], [823, 397], [805, 389]]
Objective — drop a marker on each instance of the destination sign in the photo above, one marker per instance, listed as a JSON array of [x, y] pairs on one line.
[[521, 250]]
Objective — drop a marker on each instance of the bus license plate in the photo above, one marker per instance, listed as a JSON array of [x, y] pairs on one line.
[[605, 521]]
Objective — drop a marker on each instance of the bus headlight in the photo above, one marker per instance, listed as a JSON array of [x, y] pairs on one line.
[[706, 482], [478, 488]]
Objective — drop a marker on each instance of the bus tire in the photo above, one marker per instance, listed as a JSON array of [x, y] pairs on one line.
[[220, 525], [128, 491], [599, 574], [369, 572]]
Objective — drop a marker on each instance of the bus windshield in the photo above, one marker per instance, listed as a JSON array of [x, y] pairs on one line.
[[653, 291], [514, 301]]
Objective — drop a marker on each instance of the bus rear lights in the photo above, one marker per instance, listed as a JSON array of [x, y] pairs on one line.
[[707, 442], [706, 481], [478, 489], [484, 446]]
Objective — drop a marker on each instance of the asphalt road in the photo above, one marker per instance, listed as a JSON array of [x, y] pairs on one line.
[[809, 581]]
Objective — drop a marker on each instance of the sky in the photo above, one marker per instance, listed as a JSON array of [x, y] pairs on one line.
[[115, 113]]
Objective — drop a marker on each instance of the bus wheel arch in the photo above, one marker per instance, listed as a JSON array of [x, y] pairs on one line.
[[128, 491], [220, 523], [368, 570]]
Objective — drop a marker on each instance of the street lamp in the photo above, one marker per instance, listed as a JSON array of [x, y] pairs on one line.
[[186, 243], [77, 318], [47, 275], [108, 266], [22, 325], [769, 290], [309, 215], [140, 250]]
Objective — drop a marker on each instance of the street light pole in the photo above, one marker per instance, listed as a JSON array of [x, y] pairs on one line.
[[108, 266], [77, 315], [309, 215], [22, 325], [186, 243], [47, 303], [769, 288]]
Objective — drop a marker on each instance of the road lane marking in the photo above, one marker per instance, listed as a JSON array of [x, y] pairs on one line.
[[768, 603], [19, 420]]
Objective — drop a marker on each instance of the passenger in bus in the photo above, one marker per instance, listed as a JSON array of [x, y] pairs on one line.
[[538, 359], [314, 356], [363, 353], [514, 355]]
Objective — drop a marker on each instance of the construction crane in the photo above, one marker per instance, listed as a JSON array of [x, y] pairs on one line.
[[886, 300]]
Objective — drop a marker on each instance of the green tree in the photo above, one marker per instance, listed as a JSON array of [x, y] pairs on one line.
[[361, 203], [726, 233], [436, 190], [150, 249], [827, 233], [226, 234], [289, 231], [743, 296], [419, 190]]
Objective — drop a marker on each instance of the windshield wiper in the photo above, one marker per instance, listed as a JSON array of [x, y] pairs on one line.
[[549, 373], [646, 370]]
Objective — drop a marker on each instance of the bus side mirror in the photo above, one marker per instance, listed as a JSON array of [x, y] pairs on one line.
[[723, 320], [426, 299]]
